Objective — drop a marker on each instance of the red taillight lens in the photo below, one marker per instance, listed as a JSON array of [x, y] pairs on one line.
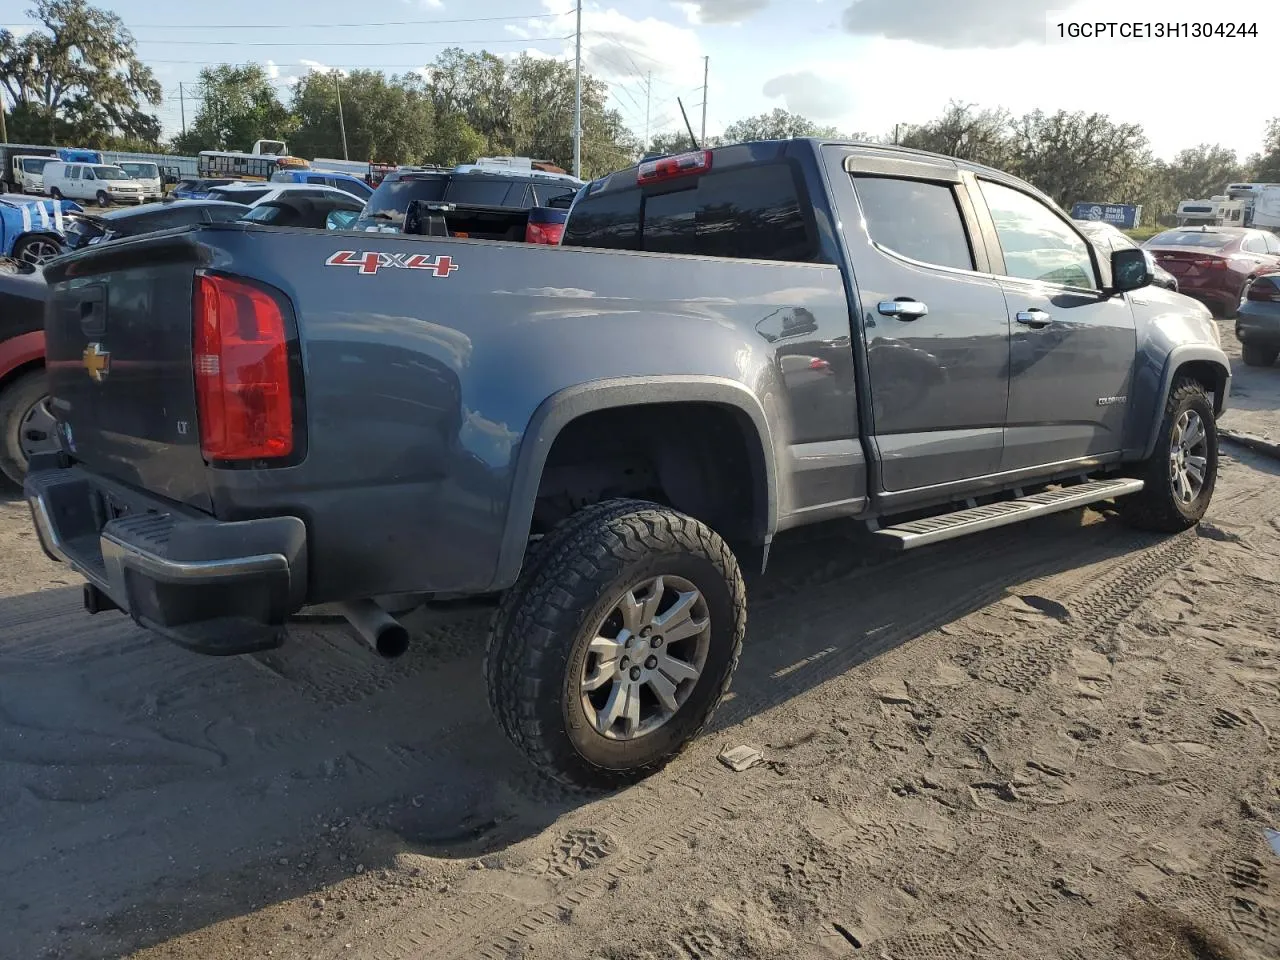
[[1211, 263], [549, 233], [681, 165], [1264, 290], [241, 359], [817, 363]]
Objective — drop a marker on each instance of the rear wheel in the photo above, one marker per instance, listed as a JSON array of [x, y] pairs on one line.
[[27, 426], [36, 249], [1183, 470], [610, 653], [1256, 355]]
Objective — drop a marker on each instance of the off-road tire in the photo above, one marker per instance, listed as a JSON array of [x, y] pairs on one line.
[[16, 398], [1256, 355], [1156, 507], [539, 633]]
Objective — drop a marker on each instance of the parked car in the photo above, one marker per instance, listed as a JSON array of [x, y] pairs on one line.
[[1110, 238], [326, 178], [11, 165], [103, 183], [293, 211], [33, 229], [478, 203], [26, 425], [196, 188], [147, 175], [252, 193], [1258, 322], [598, 432], [89, 229], [1213, 264]]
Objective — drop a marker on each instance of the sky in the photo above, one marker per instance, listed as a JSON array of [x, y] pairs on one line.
[[860, 65]]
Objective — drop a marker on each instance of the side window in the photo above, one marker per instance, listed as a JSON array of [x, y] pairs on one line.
[[609, 220], [1254, 244], [1037, 244], [73, 173], [316, 178], [1273, 242], [916, 219]]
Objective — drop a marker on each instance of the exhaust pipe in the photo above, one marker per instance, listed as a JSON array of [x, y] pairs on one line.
[[387, 635]]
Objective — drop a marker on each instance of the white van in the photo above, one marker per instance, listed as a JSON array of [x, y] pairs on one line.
[[101, 182], [147, 174], [28, 173]]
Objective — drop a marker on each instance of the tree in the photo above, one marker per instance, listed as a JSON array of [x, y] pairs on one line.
[[77, 75], [1079, 156], [964, 132], [779, 124], [1204, 171], [672, 141], [1267, 165], [388, 119], [238, 106]]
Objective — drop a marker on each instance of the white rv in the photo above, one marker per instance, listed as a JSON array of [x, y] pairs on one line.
[[1219, 211]]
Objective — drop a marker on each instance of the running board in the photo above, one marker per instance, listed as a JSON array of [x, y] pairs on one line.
[[919, 533]]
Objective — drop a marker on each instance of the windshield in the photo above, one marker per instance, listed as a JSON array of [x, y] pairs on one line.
[[34, 165], [1190, 238], [387, 206], [266, 213], [110, 173], [141, 171]]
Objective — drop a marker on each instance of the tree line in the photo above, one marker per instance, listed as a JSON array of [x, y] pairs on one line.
[[77, 79]]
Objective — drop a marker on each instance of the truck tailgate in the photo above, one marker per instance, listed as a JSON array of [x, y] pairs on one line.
[[118, 338]]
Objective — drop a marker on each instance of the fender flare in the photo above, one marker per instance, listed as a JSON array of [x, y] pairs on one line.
[[558, 410], [1178, 357]]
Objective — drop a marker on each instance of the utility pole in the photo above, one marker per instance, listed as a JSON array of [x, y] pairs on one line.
[[895, 134], [4, 129], [577, 99], [648, 100], [706, 69], [182, 107], [342, 124]]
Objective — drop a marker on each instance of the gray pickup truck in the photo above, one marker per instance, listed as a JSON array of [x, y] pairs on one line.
[[728, 344]]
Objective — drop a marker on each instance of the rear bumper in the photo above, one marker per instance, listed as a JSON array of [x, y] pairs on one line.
[[211, 586]]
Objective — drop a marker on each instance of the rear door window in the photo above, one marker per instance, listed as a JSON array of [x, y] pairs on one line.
[[915, 219]]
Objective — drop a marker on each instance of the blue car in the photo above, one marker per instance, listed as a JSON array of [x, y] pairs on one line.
[[33, 229], [196, 188], [326, 178]]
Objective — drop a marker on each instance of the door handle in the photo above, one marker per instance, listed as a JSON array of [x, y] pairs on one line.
[[902, 309], [1034, 318]]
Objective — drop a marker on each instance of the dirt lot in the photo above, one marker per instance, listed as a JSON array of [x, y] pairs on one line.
[[1054, 741]]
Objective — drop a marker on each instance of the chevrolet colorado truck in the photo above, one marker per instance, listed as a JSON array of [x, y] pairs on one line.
[[727, 344]]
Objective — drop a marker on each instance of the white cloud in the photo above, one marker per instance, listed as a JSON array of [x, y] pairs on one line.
[[807, 93], [273, 70], [315, 66], [953, 24], [714, 12]]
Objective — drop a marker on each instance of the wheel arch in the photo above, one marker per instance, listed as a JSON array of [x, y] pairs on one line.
[[1203, 363], [558, 411], [20, 355]]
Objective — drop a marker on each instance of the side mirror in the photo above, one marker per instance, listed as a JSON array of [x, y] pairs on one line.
[[1130, 270]]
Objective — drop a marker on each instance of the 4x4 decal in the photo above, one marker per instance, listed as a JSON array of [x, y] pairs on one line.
[[370, 262]]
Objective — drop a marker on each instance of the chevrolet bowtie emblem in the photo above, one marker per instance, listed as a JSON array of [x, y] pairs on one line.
[[97, 361]]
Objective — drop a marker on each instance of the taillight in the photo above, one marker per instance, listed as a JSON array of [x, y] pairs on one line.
[[1211, 263], [1264, 290], [817, 363], [549, 233], [241, 359], [681, 165]]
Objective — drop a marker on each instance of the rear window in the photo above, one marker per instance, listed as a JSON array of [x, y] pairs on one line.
[[1190, 238], [752, 212], [392, 198], [238, 196], [485, 193]]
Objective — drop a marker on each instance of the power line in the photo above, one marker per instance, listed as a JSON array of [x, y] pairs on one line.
[[296, 26], [345, 43]]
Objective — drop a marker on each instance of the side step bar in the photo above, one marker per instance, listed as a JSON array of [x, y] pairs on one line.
[[919, 533]]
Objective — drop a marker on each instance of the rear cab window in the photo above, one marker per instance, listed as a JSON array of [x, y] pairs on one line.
[[754, 211]]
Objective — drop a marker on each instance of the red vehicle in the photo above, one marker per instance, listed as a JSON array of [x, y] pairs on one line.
[[1213, 264]]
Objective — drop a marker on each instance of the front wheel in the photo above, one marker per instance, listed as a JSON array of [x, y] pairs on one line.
[[613, 649], [1183, 470], [36, 250], [103, 199], [1256, 355]]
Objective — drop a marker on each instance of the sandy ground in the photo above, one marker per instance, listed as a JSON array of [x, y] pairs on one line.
[[1053, 741]]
